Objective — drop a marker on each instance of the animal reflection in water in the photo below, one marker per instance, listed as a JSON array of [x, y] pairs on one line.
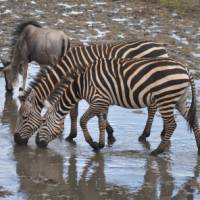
[[54, 181], [9, 114]]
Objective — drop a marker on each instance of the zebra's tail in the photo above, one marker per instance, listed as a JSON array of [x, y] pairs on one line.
[[191, 116]]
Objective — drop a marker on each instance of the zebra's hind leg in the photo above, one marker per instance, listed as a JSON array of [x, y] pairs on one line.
[[109, 129], [147, 130], [73, 117], [170, 125]]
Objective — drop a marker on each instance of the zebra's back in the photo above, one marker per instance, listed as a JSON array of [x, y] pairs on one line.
[[134, 83]]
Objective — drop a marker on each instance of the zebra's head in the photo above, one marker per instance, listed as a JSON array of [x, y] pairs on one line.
[[28, 119], [52, 126]]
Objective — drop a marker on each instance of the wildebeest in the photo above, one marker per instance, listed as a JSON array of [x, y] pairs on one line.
[[33, 43]]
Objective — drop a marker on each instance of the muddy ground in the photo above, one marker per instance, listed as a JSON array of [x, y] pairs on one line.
[[125, 170]]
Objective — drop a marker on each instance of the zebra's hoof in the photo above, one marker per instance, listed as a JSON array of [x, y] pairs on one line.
[[109, 130], [111, 140], [41, 143], [142, 138], [146, 144], [69, 139], [156, 152], [101, 145], [95, 146], [20, 141]]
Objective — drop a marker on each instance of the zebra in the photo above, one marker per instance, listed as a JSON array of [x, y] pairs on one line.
[[76, 60], [129, 83]]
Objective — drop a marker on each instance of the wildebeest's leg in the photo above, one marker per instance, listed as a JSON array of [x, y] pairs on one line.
[[9, 84], [170, 125], [147, 130], [24, 71], [8, 74], [73, 116]]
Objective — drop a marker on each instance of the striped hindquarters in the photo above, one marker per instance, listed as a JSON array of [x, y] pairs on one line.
[[139, 83]]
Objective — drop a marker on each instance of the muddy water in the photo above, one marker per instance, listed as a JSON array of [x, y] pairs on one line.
[[124, 170]]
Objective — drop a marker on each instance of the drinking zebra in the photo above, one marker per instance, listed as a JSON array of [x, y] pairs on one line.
[[76, 60], [129, 83]]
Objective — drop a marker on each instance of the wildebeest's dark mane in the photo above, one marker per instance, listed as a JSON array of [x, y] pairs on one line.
[[18, 30], [23, 25]]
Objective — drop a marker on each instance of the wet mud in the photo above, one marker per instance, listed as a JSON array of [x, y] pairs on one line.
[[124, 170]]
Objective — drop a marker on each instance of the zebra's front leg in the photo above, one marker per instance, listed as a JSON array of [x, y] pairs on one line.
[[73, 131], [170, 125], [102, 127], [90, 113], [147, 130]]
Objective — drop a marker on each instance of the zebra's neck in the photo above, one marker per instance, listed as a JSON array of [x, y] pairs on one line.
[[75, 62], [79, 58], [67, 96]]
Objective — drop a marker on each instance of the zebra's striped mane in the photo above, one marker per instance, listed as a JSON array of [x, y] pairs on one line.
[[59, 89], [40, 75]]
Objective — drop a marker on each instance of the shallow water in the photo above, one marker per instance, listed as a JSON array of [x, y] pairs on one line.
[[124, 170]]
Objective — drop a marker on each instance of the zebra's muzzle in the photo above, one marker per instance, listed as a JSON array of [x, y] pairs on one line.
[[19, 140], [41, 142]]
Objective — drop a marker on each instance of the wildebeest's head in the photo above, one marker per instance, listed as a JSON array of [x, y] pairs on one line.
[[8, 73]]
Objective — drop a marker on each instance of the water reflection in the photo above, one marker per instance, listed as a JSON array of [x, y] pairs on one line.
[[80, 174], [9, 112], [46, 174], [191, 187], [41, 176]]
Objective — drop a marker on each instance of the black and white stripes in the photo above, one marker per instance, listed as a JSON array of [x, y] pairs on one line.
[[132, 83], [74, 62]]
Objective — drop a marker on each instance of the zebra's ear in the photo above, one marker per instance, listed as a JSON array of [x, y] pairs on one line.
[[47, 104], [46, 108]]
